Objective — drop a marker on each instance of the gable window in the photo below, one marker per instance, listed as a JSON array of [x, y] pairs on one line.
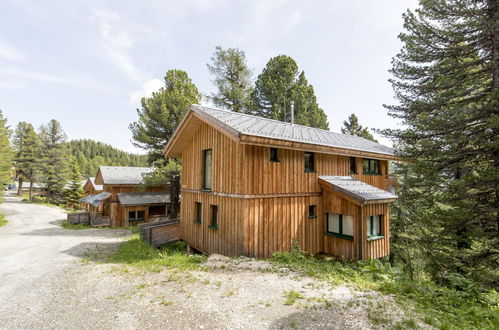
[[353, 165], [207, 169], [374, 226], [309, 162], [339, 225], [214, 217], [273, 155], [371, 166], [311, 211], [199, 212]]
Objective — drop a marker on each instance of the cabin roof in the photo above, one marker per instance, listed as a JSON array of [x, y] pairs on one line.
[[97, 199], [238, 125], [357, 190], [91, 180], [144, 198], [121, 175]]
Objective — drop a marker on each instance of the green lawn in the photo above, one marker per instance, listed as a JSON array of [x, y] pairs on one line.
[[3, 221]]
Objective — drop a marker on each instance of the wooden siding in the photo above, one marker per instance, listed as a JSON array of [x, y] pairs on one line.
[[272, 224], [227, 239], [226, 161], [380, 247]]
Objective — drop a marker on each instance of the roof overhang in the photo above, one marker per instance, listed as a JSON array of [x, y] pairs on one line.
[[96, 200]]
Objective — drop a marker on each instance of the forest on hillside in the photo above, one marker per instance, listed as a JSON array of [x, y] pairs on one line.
[[91, 154]]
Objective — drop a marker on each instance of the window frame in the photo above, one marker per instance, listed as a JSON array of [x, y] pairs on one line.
[[198, 209], [312, 157], [274, 155], [340, 227], [204, 171], [370, 235], [143, 217], [370, 169], [134, 219], [354, 163], [312, 211], [213, 216]]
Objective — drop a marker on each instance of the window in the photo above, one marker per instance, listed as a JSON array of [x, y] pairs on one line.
[[311, 211], [309, 162], [374, 226], [214, 217], [131, 216], [157, 210], [141, 215], [353, 165], [273, 155], [371, 166], [339, 225], [199, 212], [207, 169]]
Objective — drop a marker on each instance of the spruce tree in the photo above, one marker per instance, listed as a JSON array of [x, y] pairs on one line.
[[74, 190], [446, 81], [353, 127], [232, 78], [27, 157], [278, 86], [6, 153], [54, 160]]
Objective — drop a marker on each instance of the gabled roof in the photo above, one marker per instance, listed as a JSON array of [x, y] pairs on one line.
[[248, 129], [121, 175], [91, 181], [96, 200], [144, 198], [360, 191]]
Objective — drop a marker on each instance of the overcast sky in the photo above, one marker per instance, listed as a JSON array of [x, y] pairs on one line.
[[88, 63]]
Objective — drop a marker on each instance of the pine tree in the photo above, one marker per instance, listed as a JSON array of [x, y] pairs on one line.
[[162, 112], [27, 157], [352, 126], [54, 155], [6, 153], [278, 86], [232, 78], [74, 190], [446, 79]]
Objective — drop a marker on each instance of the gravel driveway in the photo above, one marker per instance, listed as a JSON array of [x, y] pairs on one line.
[[45, 285]]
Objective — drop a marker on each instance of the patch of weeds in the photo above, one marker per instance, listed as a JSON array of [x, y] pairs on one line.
[[406, 324], [218, 284], [292, 296], [3, 221], [377, 318], [166, 302], [142, 286], [228, 294], [66, 225], [293, 324]]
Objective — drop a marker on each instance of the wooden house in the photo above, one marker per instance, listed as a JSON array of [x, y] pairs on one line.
[[253, 186], [91, 188], [123, 200]]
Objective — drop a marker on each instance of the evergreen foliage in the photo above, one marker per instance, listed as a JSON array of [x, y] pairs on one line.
[[53, 160], [280, 84], [92, 154], [162, 112], [27, 157], [353, 127], [232, 78], [446, 81], [74, 189], [6, 153]]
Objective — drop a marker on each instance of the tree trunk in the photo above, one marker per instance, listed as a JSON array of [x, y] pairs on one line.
[[174, 196], [31, 190], [20, 187]]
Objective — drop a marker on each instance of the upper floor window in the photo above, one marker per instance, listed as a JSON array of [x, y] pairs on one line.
[[312, 211], [214, 217], [207, 169], [273, 155], [374, 226], [309, 162], [353, 165], [199, 212], [339, 225], [371, 166]]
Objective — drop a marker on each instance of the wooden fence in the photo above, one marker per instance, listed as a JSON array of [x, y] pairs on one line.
[[161, 232], [78, 217]]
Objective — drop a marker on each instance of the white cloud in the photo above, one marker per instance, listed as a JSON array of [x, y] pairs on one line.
[[146, 90], [10, 53]]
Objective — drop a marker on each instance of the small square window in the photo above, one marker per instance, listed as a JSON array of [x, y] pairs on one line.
[[131, 216], [273, 155], [141, 215], [309, 162], [311, 211], [374, 226], [371, 166]]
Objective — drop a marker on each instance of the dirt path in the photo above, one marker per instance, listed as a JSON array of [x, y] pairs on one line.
[[45, 285]]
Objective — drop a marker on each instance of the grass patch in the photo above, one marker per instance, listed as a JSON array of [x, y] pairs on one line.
[[445, 307], [41, 201], [66, 225], [3, 221], [136, 253], [291, 297]]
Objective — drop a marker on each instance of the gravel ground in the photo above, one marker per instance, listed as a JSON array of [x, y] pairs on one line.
[[45, 285]]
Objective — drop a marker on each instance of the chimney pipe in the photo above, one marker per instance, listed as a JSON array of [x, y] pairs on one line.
[[292, 112]]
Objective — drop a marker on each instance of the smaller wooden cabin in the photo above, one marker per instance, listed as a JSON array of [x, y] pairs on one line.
[[91, 188], [124, 200]]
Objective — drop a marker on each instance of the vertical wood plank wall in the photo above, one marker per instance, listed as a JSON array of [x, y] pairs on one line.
[[380, 247]]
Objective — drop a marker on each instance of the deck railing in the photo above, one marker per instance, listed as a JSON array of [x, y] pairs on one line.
[[161, 232]]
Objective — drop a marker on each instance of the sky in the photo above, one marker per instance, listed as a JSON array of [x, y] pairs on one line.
[[88, 63]]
